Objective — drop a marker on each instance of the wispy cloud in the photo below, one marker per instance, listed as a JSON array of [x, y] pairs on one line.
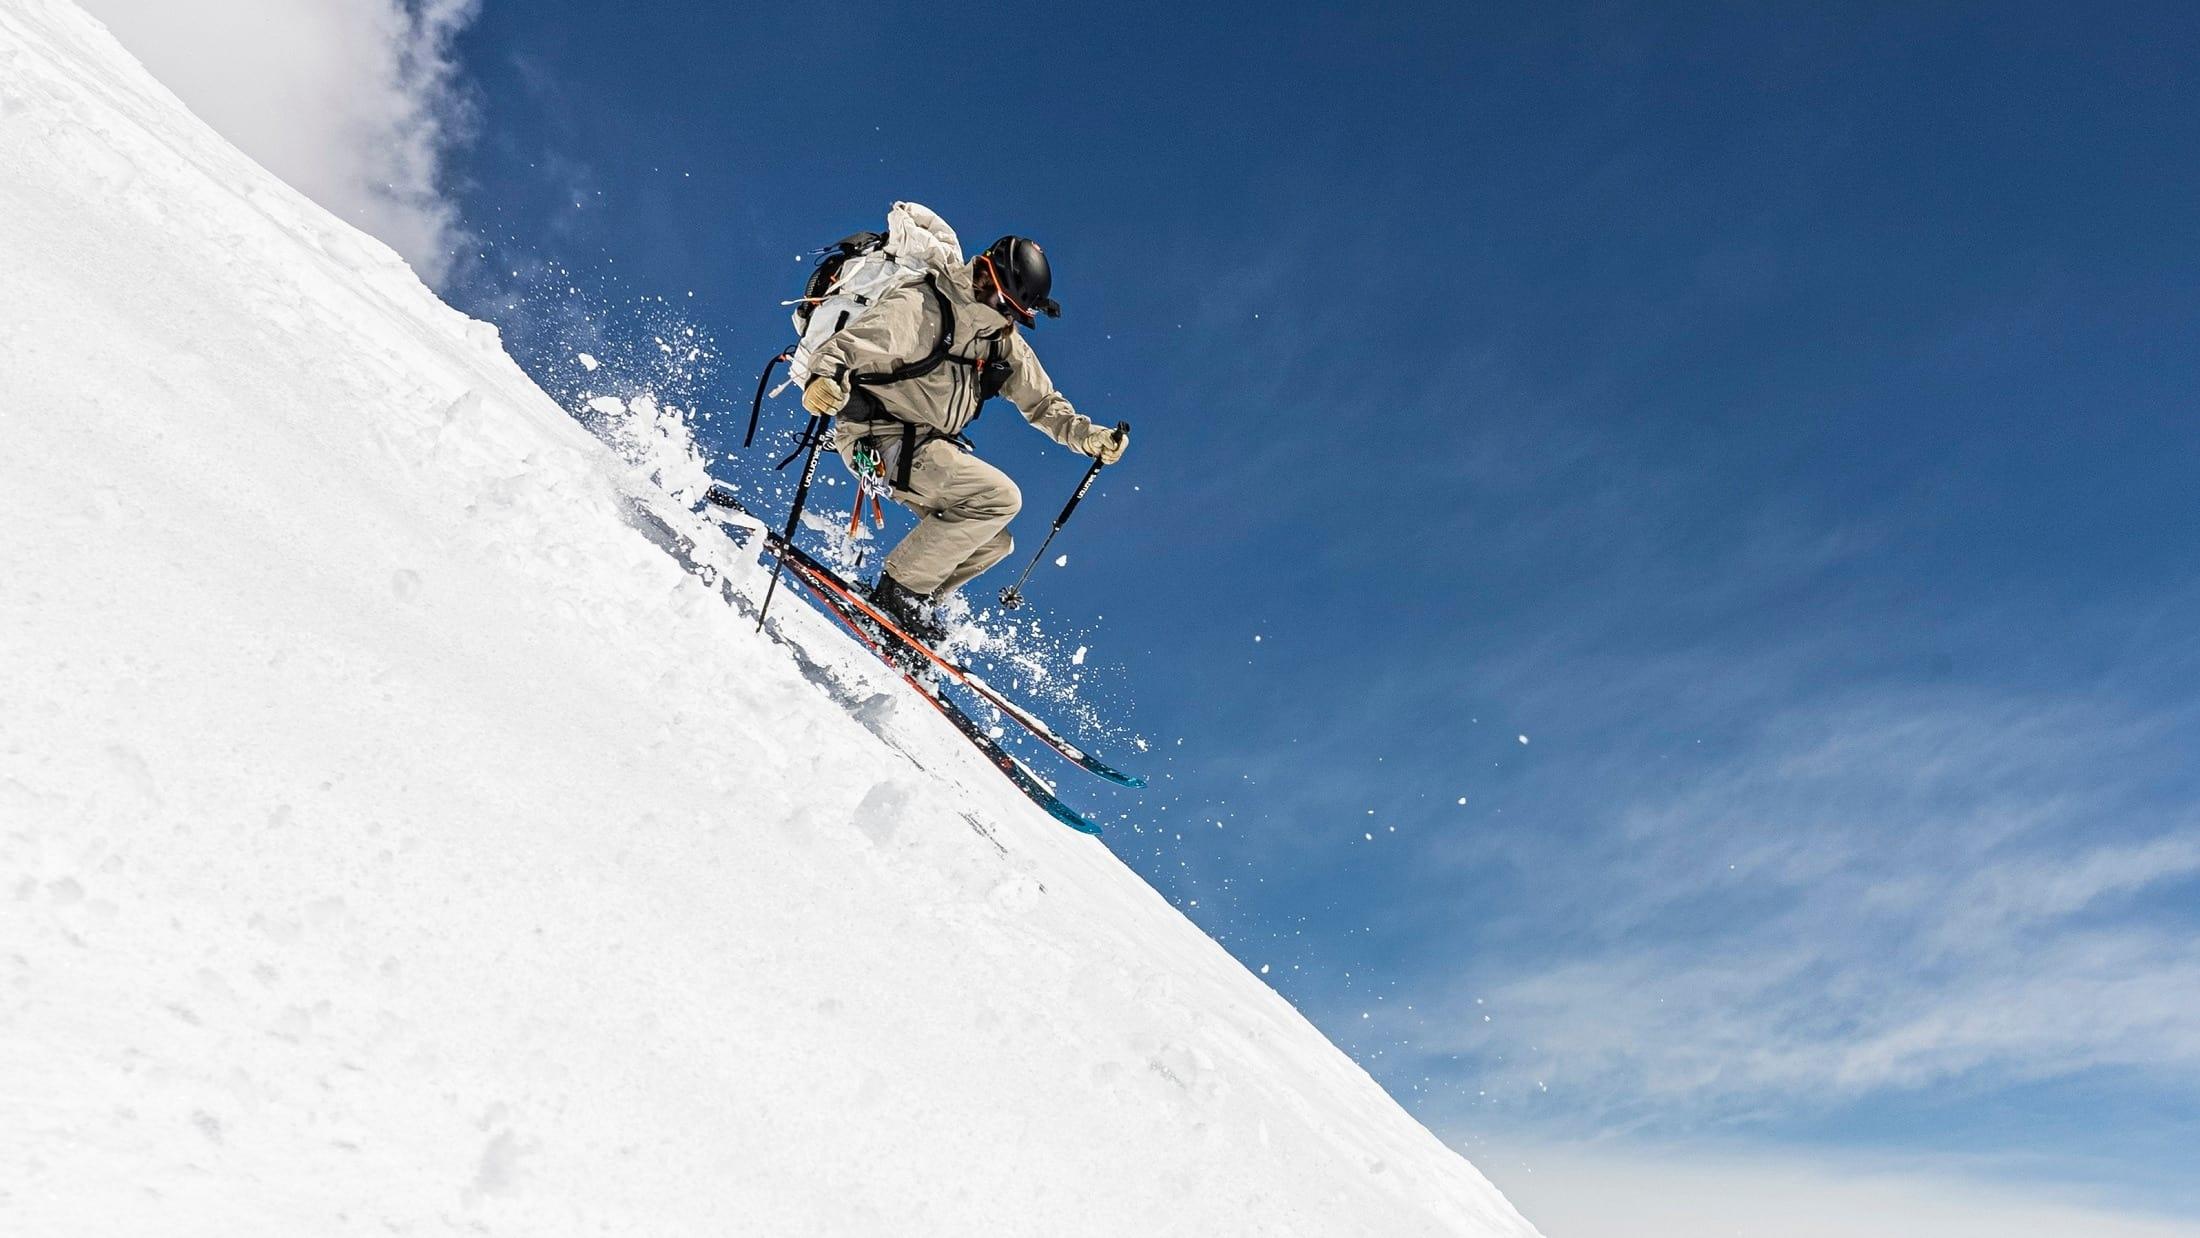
[[1890, 893], [353, 102]]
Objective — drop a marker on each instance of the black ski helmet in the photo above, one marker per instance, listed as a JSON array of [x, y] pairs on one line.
[[1020, 271]]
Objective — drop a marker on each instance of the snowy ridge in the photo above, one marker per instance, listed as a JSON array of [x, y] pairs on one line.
[[394, 839]]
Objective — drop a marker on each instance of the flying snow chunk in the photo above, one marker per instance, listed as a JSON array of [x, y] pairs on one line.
[[1523, 739], [1061, 560], [1462, 801], [1078, 658], [587, 362]]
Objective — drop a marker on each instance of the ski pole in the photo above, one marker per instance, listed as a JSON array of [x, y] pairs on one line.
[[1013, 596], [794, 514]]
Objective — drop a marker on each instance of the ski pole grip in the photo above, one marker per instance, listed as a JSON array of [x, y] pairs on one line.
[[1121, 428]]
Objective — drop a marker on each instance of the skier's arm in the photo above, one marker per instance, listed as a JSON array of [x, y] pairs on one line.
[[1033, 394], [878, 341]]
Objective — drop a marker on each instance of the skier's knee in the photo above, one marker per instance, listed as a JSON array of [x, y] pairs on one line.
[[1004, 502]]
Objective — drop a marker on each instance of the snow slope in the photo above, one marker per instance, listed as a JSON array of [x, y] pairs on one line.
[[393, 839]]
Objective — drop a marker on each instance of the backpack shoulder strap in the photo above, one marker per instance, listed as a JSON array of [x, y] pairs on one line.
[[928, 362]]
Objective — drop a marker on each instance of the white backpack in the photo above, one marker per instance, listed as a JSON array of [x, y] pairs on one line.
[[854, 274], [850, 277]]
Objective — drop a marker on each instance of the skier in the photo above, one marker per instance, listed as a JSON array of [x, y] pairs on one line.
[[907, 378]]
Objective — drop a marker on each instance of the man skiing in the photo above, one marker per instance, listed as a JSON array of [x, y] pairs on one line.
[[906, 379]]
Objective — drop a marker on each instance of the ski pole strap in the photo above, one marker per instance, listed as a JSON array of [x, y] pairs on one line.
[[756, 407], [813, 433]]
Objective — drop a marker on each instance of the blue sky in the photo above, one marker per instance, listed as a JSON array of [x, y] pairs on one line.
[[1783, 421]]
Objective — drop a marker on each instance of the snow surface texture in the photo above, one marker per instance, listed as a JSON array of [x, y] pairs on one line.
[[393, 839]]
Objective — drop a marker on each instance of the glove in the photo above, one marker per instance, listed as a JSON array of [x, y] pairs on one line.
[[1106, 443], [824, 397]]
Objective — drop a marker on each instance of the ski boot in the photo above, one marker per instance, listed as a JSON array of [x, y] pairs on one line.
[[912, 612]]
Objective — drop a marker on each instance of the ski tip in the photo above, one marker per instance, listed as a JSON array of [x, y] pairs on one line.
[[1072, 818], [1110, 773]]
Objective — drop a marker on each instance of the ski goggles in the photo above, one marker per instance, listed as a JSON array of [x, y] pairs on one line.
[[1001, 300]]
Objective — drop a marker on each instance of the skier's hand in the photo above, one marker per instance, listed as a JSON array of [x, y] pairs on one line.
[[824, 397], [1107, 443]]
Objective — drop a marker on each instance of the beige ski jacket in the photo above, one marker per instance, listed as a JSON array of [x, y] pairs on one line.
[[906, 328]]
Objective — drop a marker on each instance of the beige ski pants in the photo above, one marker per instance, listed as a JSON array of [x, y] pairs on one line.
[[963, 506]]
